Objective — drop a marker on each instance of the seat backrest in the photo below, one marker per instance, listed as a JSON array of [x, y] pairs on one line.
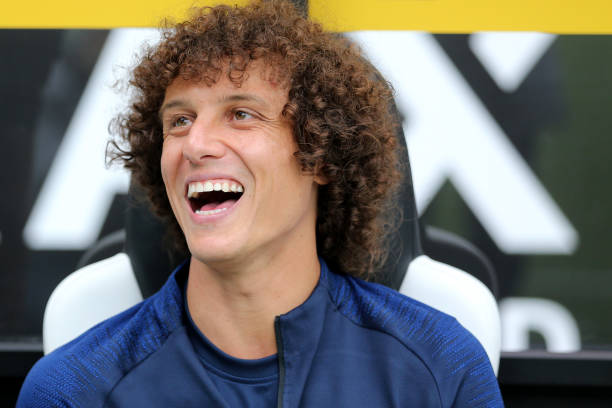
[[87, 297], [105, 288], [449, 248], [149, 264]]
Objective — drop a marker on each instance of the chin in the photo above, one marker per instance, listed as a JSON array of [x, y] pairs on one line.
[[212, 251]]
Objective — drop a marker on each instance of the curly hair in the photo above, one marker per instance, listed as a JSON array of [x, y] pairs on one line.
[[338, 104]]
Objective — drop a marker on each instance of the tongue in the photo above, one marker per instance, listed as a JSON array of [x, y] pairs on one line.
[[216, 206]]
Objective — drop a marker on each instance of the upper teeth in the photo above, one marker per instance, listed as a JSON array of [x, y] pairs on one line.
[[225, 186]]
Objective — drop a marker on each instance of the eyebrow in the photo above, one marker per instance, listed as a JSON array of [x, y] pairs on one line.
[[172, 104], [243, 97], [224, 99]]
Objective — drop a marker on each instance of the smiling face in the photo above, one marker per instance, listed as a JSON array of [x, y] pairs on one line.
[[228, 167]]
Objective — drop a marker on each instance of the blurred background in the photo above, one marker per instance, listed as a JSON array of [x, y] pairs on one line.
[[509, 139]]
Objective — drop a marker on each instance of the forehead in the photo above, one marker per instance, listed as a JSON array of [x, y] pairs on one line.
[[257, 83]]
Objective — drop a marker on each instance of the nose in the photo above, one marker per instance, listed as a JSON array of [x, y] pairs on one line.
[[203, 141]]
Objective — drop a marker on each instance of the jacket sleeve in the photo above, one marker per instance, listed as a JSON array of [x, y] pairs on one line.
[[478, 386], [41, 388]]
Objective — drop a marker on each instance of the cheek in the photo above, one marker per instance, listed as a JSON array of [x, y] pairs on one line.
[[164, 173], [167, 162], [169, 166]]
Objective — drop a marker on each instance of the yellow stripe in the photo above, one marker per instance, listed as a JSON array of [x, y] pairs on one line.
[[443, 16], [89, 14], [463, 16]]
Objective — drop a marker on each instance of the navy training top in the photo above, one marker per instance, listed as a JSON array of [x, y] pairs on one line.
[[351, 343]]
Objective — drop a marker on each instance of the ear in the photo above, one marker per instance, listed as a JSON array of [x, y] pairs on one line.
[[319, 177], [321, 180]]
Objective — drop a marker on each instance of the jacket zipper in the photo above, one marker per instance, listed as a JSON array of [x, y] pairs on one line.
[[281, 361]]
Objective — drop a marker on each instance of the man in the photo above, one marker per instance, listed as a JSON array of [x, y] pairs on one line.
[[268, 145]]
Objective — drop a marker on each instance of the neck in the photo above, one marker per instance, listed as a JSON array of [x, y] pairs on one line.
[[235, 307]]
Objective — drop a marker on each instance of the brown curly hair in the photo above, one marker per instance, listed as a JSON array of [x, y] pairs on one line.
[[339, 106]]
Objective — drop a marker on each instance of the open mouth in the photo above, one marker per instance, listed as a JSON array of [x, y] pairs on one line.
[[213, 196]]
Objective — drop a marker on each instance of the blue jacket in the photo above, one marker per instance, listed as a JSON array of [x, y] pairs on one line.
[[350, 344]]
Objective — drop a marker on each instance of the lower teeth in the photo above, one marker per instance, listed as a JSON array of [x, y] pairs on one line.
[[210, 212]]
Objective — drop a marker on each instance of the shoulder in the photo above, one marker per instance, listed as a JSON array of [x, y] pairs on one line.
[[83, 371], [455, 358]]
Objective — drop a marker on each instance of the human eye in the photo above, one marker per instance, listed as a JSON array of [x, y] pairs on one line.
[[241, 115], [176, 125], [180, 121]]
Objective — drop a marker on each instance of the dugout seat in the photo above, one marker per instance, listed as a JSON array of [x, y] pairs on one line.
[[101, 289]]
